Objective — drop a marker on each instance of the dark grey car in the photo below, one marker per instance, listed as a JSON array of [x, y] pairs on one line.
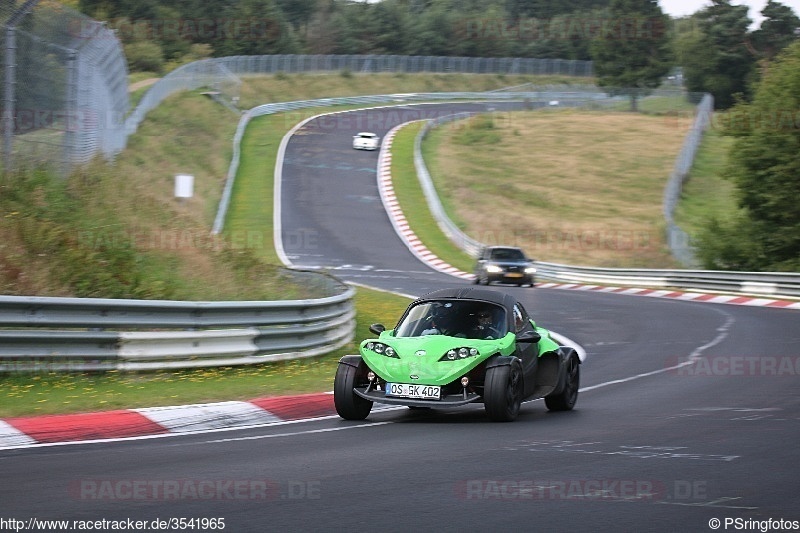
[[506, 264]]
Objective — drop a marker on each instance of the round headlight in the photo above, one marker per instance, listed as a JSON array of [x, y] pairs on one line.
[[451, 354], [463, 352], [473, 351], [378, 347], [390, 351], [370, 345]]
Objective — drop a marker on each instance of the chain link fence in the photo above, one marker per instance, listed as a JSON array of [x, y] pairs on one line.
[[677, 239], [64, 83], [221, 75]]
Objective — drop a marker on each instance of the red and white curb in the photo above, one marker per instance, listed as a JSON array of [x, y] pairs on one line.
[[23, 432], [678, 295], [392, 206]]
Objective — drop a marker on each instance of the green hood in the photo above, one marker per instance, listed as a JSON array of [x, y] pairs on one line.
[[421, 357]]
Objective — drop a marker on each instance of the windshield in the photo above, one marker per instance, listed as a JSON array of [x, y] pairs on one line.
[[454, 318], [508, 254]]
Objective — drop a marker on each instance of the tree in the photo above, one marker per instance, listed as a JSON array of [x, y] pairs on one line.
[[716, 59], [778, 30], [632, 51], [764, 163], [433, 33]]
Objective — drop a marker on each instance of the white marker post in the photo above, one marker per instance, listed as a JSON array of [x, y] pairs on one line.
[[184, 186]]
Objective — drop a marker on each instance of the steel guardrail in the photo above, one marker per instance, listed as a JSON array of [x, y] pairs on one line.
[[766, 284], [94, 334]]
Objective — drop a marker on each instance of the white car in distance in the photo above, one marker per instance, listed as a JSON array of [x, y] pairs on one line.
[[366, 141]]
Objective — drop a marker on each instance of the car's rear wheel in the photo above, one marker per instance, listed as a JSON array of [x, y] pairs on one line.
[[565, 400], [349, 405], [502, 394]]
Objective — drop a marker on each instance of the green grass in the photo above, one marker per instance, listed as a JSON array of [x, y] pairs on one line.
[[706, 194], [251, 208], [676, 104], [560, 183], [415, 207]]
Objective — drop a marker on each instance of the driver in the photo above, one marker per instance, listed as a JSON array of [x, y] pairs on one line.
[[484, 327], [441, 321]]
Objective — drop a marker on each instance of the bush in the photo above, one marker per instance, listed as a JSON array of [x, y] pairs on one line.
[[144, 56], [480, 129]]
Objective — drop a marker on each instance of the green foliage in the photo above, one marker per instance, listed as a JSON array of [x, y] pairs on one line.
[[634, 53], [54, 226], [717, 59], [477, 130], [765, 167], [564, 29], [777, 31], [144, 56]]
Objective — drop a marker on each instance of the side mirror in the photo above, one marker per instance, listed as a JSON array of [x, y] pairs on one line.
[[529, 336], [377, 329]]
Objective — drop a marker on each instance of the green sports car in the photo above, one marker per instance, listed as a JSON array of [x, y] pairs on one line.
[[457, 346]]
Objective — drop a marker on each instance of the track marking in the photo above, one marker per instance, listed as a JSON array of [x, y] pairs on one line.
[[722, 334], [295, 433]]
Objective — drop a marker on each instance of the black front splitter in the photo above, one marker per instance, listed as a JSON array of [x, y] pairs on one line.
[[451, 400]]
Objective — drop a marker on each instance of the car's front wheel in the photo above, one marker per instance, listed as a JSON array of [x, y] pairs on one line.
[[502, 394], [349, 405], [565, 400]]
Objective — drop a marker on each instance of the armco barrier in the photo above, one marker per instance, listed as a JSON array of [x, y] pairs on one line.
[[767, 284], [90, 334]]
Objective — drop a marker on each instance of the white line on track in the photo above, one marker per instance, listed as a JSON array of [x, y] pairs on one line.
[[723, 331], [295, 433]]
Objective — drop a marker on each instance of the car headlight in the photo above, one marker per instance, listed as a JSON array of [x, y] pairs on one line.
[[456, 354], [494, 269], [530, 270], [382, 349]]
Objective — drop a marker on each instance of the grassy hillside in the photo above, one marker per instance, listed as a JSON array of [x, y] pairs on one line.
[[569, 186]]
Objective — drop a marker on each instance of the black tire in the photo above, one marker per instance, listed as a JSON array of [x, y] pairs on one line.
[[565, 400], [349, 405], [502, 393]]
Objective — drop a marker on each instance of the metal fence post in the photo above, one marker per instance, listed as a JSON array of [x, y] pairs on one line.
[[71, 104], [9, 97]]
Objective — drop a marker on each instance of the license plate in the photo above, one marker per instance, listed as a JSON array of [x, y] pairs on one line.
[[513, 275], [416, 392]]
